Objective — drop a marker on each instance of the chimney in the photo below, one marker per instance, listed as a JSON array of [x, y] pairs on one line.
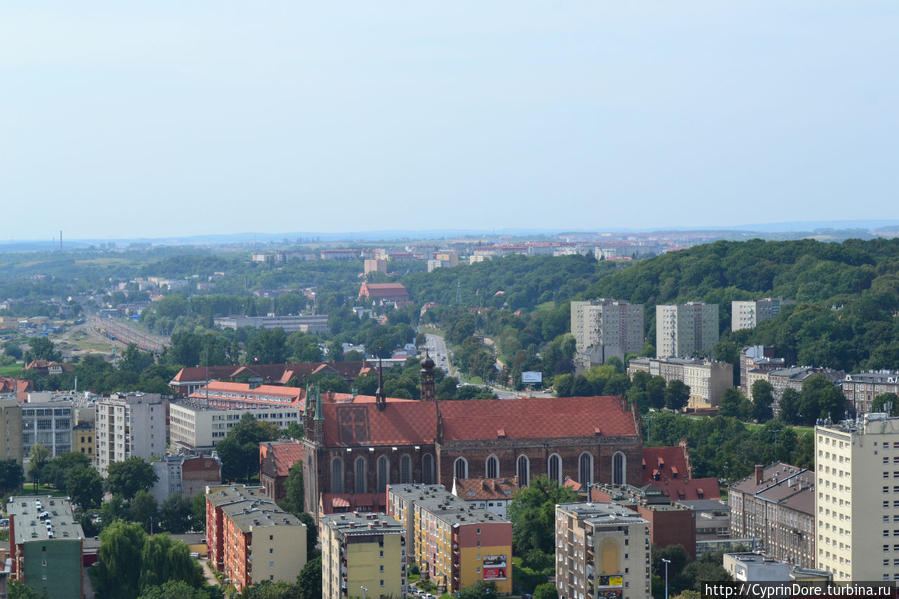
[[759, 474]]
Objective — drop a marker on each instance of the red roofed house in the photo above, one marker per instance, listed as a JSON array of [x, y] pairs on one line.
[[17, 389], [192, 378], [668, 469], [491, 494], [46, 367], [360, 448], [382, 293], [275, 460]]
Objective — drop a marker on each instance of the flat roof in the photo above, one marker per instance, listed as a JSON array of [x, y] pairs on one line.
[[362, 523], [43, 518], [443, 505]]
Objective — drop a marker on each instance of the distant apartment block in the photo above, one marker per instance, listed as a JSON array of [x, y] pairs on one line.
[[603, 328], [11, 430], [602, 552], [755, 362], [45, 546], [340, 255], [48, 424], [235, 396], [775, 507], [197, 425], [792, 378], [707, 379], [454, 543], [251, 539], [185, 476], [130, 425], [362, 550], [374, 265], [683, 330], [748, 314], [443, 259], [861, 388], [306, 323]]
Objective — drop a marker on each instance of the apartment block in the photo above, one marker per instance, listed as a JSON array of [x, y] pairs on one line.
[[250, 538], [748, 314], [602, 551], [130, 425], [775, 507], [196, 425], [49, 424], [603, 328], [11, 427], [362, 551], [857, 498], [46, 544], [455, 544], [755, 362], [860, 389], [84, 439], [793, 377], [707, 379], [683, 330]]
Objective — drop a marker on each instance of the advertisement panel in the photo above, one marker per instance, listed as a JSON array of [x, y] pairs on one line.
[[531, 377], [493, 567], [611, 580]]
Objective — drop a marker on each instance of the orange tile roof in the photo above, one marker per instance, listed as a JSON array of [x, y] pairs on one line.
[[668, 469], [476, 489]]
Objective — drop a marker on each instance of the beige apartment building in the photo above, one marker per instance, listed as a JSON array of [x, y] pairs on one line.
[[860, 389], [602, 551], [11, 427], [748, 314], [603, 328], [857, 498], [362, 551], [683, 330], [707, 379]]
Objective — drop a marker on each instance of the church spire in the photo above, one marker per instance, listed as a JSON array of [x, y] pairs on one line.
[[426, 379], [380, 395]]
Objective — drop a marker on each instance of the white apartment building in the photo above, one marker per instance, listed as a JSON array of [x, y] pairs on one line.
[[748, 314], [197, 425], [707, 381], [129, 425], [48, 424], [857, 498], [685, 329], [602, 550], [603, 328]]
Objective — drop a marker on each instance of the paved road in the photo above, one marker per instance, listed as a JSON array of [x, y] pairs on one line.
[[436, 347]]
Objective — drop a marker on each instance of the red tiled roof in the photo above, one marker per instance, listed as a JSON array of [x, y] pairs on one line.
[[476, 489], [415, 422], [331, 502], [668, 469], [694, 488], [383, 290], [285, 456], [280, 373], [535, 417]]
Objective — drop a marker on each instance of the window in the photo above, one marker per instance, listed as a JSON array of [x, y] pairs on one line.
[[361, 472], [554, 468], [460, 468], [585, 469], [337, 475], [405, 469], [523, 468], [427, 469], [619, 469], [383, 473], [491, 468]]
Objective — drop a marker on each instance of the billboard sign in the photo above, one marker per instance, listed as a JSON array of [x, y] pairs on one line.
[[494, 567], [531, 377], [611, 580]]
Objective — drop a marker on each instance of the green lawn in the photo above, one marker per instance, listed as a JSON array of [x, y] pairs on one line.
[[13, 370], [42, 489]]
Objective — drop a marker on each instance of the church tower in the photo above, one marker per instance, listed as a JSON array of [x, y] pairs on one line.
[[428, 392], [380, 394]]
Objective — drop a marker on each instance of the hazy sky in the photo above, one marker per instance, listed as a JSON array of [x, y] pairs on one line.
[[124, 119]]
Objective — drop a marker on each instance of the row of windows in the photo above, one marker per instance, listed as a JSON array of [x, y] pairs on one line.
[[360, 473]]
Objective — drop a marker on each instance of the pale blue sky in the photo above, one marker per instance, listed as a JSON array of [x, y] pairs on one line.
[[124, 119]]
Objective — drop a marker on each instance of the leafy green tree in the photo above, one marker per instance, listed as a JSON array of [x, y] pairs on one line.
[[546, 591], [820, 398], [174, 589], [128, 477], [175, 514], [789, 406], [295, 430], [734, 404], [311, 531], [41, 348], [294, 489], [762, 398], [655, 392], [533, 514], [85, 486], [198, 512], [19, 590], [143, 509], [881, 401], [310, 579], [163, 560], [40, 455], [481, 590], [676, 395], [117, 574], [239, 450], [267, 346], [57, 470], [135, 361], [114, 509], [11, 476], [274, 590]]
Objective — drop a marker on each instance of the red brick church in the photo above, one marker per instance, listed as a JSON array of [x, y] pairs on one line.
[[356, 446]]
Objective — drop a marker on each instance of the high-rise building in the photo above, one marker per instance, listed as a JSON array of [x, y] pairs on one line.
[[362, 551], [46, 544], [11, 429], [686, 329], [748, 314], [49, 424], [602, 550], [603, 328], [857, 498], [130, 425]]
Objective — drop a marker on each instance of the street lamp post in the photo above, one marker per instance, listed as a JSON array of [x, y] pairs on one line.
[[667, 561], [364, 591]]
